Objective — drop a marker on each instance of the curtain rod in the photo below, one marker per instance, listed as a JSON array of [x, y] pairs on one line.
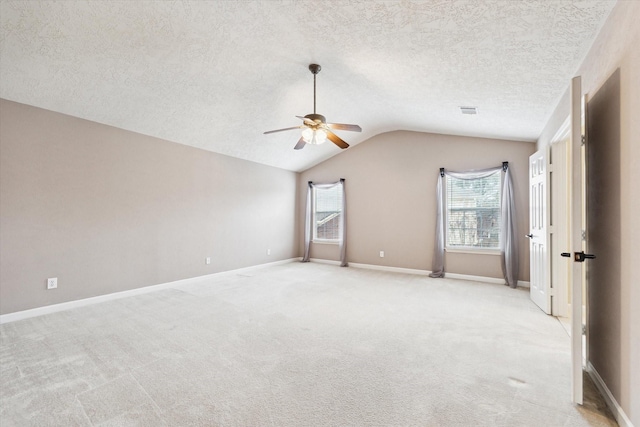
[[311, 182], [505, 165]]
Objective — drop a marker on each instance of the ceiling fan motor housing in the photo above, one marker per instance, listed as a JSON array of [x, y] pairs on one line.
[[318, 118]]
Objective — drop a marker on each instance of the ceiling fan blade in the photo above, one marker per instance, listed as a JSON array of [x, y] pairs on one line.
[[344, 126], [282, 130], [300, 145], [337, 140]]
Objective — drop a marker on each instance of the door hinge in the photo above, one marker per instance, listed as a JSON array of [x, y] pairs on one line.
[[583, 140], [584, 329], [584, 235]]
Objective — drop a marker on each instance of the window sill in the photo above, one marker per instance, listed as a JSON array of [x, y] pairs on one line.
[[473, 251], [326, 242]]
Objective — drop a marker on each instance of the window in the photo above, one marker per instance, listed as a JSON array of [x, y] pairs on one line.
[[327, 213], [473, 212]]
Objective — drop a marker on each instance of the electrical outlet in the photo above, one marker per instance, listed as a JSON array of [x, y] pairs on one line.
[[207, 260], [381, 254], [268, 251], [52, 283]]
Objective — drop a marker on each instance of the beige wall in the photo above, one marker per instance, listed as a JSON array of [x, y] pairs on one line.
[[106, 210], [615, 348], [390, 185]]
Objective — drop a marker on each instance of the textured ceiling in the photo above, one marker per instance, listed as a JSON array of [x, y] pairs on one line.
[[216, 74]]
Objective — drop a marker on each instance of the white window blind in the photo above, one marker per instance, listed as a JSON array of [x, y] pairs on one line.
[[473, 212]]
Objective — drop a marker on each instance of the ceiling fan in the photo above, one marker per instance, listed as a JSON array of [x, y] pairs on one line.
[[315, 129]]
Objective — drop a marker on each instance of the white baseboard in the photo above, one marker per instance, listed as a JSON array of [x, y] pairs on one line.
[[54, 308], [373, 267], [390, 269], [618, 413], [325, 261], [484, 279], [497, 281]]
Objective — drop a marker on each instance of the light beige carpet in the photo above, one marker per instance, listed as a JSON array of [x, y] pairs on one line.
[[295, 345]]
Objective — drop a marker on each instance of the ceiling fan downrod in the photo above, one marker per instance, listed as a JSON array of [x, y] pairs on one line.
[[315, 69]]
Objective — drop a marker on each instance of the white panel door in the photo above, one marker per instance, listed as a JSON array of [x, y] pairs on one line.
[[538, 242]]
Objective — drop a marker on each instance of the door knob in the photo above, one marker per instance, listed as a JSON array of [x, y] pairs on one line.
[[578, 256], [581, 256], [529, 236]]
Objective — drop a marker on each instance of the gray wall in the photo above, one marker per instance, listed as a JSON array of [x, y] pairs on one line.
[[614, 295], [106, 210], [603, 208], [390, 185]]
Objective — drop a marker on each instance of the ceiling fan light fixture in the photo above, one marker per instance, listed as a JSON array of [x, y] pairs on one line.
[[315, 129], [314, 136]]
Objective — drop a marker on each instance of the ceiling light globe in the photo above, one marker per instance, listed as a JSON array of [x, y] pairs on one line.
[[320, 136], [307, 135]]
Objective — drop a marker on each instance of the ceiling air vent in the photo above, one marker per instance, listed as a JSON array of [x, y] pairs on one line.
[[469, 110]]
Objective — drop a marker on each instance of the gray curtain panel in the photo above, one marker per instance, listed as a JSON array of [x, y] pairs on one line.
[[508, 242], [437, 267], [308, 222], [343, 227]]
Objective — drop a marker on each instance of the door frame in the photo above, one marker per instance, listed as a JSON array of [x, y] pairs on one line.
[[576, 208], [559, 181]]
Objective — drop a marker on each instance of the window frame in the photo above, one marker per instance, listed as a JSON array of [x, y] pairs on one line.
[[314, 235], [494, 250]]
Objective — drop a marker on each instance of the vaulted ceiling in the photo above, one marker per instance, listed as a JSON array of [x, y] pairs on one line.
[[217, 74]]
